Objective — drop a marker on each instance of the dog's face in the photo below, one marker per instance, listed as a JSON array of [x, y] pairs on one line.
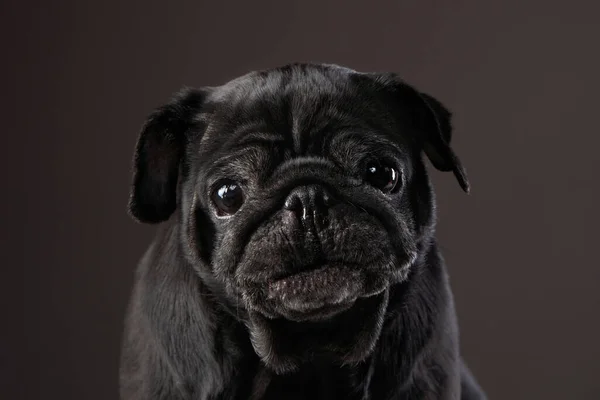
[[301, 197]]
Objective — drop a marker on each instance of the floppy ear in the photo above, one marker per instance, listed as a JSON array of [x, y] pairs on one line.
[[435, 121], [158, 155]]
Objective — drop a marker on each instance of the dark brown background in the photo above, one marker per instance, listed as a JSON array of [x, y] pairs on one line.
[[521, 76]]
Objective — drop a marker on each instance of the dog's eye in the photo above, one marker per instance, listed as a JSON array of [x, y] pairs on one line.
[[382, 177], [228, 198]]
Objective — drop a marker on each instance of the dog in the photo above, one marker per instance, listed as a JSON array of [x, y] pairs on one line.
[[295, 256]]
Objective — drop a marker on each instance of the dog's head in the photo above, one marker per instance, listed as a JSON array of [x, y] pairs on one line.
[[301, 196]]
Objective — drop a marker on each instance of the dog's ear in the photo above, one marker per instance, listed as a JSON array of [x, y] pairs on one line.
[[158, 154], [433, 121]]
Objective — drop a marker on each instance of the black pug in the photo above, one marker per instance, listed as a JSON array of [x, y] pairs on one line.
[[297, 258]]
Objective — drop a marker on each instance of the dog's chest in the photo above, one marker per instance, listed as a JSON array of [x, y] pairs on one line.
[[314, 384]]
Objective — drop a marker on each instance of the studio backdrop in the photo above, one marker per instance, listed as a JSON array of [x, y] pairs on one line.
[[521, 78]]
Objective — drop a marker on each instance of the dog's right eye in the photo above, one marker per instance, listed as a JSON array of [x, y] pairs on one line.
[[228, 197]]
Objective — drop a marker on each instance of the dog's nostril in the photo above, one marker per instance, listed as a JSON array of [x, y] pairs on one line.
[[297, 206], [293, 203]]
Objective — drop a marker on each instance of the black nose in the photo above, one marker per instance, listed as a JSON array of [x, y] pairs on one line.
[[308, 202]]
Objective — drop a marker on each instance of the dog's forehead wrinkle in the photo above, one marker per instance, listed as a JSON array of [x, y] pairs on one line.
[[293, 111]]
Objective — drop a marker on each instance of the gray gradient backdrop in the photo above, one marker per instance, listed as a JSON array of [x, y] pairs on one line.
[[521, 77]]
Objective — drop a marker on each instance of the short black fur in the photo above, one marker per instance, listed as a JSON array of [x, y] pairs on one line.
[[341, 295]]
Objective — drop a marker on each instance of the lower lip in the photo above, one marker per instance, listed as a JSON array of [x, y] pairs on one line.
[[327, 289], [323, 278], [317, 313]]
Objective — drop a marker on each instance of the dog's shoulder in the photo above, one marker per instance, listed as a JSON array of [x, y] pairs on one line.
[[169, 339]]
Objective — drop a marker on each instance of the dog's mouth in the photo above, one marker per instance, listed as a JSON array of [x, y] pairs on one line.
[[316, 294], [319, 292]]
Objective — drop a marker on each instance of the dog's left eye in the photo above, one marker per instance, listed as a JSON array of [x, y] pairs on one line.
[[383, 177], [228, 198]]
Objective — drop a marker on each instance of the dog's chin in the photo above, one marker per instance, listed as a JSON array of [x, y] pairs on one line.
[[334, 312], [344, 334]]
